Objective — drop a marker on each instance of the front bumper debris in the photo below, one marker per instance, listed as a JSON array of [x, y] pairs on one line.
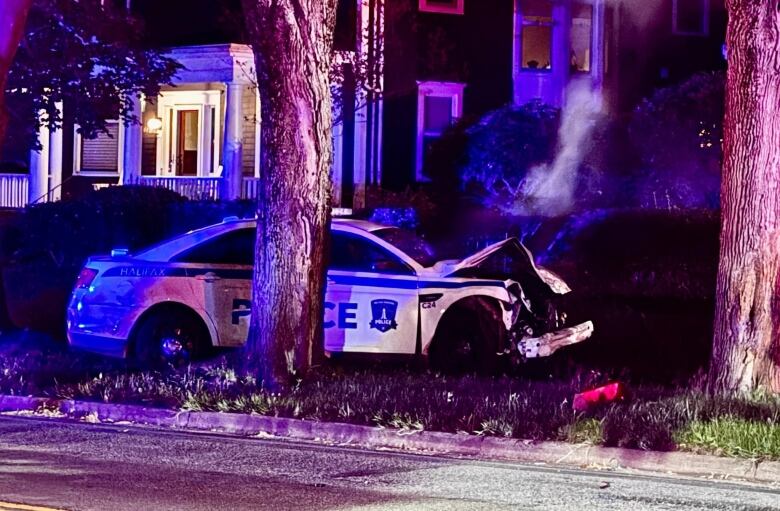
[[549, 343]]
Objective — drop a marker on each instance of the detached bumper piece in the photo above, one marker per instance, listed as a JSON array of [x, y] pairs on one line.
[[549, 343]]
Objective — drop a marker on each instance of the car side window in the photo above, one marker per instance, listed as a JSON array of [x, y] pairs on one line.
[[235, 247], [352, 253]]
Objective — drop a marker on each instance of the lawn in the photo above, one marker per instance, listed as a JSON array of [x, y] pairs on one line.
[[399, 397]]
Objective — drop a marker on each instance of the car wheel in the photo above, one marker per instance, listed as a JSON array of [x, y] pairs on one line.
[[170, 337], [467, 340]]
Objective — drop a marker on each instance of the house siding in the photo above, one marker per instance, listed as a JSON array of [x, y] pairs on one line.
[[250, 125], [474, 48]]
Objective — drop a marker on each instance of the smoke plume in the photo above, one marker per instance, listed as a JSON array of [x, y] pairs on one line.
[[549, 188]]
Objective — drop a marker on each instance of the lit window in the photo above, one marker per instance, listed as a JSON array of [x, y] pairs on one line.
[[691, 17], [439, 106], [537, 33], [442, 6], [581, 32]]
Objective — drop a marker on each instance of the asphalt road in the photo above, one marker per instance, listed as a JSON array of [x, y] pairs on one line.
[[64, 465]]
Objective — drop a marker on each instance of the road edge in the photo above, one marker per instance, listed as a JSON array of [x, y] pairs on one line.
[[419, 442]]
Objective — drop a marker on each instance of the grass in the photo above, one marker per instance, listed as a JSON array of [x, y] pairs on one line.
[[654, 418], [731, 436]]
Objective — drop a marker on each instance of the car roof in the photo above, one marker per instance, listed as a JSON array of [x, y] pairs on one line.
[[169, 248]]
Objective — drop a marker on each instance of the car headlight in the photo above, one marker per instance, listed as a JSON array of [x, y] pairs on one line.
[[554, 281]]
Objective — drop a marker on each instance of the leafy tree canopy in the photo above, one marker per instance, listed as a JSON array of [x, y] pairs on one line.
[[84, 54]]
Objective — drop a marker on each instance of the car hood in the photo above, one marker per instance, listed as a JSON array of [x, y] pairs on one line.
[[508, 259]]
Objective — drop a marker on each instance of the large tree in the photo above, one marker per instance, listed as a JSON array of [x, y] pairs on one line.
[[292, 41], [13, 14], [746, 351]]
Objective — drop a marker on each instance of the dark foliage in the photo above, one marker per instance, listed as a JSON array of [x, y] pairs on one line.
[[677, 134], [647, 280], [87, 55], [45, 247]]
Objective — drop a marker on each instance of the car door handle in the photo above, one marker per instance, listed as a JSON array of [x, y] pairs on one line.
[[209, 277]]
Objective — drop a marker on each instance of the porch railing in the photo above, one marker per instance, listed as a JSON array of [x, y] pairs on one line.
[[249, 187], [194, 188], [14, 190]]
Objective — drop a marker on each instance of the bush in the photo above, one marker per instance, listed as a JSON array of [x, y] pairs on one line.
[[46, 245], [639, 254], [678, 133], [647, 280]]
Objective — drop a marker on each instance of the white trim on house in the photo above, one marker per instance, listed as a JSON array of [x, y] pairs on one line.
[[225, 63], [452, 90], [258, 132], [206, 103], [704, 25], [438, 6]]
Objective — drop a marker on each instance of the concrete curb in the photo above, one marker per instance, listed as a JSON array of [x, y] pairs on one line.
[[428, 442]]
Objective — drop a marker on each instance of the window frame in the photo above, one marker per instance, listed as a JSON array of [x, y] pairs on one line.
[[78, 155], [704, 25], [457, 9], [425, 89], [211, 114], [180, 257], [409, 270]]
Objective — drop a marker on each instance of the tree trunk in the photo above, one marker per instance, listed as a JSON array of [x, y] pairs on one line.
[[13, 15], [746, 349], [292, 41]]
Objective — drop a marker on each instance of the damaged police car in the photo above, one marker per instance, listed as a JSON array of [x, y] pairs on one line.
[[385, 295]]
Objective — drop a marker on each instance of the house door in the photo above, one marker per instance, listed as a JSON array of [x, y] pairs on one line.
[[187, 133]]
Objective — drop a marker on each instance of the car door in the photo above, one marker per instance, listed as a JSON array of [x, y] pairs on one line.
[[221, 268], [371, 301]]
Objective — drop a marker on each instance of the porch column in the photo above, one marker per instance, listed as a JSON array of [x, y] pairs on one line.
[[55, 160], [561, 50], [132, 139], [38, 184], [598, 45], [232, 148]]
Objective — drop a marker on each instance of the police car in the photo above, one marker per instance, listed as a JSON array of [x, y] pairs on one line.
[[386, 294]]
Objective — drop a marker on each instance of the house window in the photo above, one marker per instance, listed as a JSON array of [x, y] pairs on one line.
[[439, 105], [537, 34], [581, 34], [691, 17], [442, 6], [99, 155]]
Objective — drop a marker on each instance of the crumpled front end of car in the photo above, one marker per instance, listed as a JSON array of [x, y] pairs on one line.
[[540, 325]]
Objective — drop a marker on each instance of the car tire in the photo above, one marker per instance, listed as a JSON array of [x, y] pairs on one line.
[[170, 337], [467, 340]]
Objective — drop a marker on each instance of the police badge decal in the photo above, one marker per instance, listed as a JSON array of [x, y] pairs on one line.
[[383, 314]]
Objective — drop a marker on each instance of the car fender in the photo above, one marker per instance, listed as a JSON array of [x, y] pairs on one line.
[[434, 303], [201, 313]]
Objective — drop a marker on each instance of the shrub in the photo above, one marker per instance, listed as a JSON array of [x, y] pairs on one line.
[[47, 244], [647, 281], [678, 133]]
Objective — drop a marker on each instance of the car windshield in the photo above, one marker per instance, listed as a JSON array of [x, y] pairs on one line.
[[409, 243]]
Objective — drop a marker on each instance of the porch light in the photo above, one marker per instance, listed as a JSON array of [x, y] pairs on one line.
[[154, 125]]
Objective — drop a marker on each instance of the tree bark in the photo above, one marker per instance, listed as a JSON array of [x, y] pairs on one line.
[[13, 15], [292, 41], [746, 347]]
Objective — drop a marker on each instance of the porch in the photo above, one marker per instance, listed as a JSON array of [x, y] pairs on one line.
[[15, 188]]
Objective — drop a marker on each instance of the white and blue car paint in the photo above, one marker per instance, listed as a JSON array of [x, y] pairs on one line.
[[393, 308]]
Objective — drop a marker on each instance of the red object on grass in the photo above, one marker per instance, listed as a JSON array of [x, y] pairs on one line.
[[606, 394]]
